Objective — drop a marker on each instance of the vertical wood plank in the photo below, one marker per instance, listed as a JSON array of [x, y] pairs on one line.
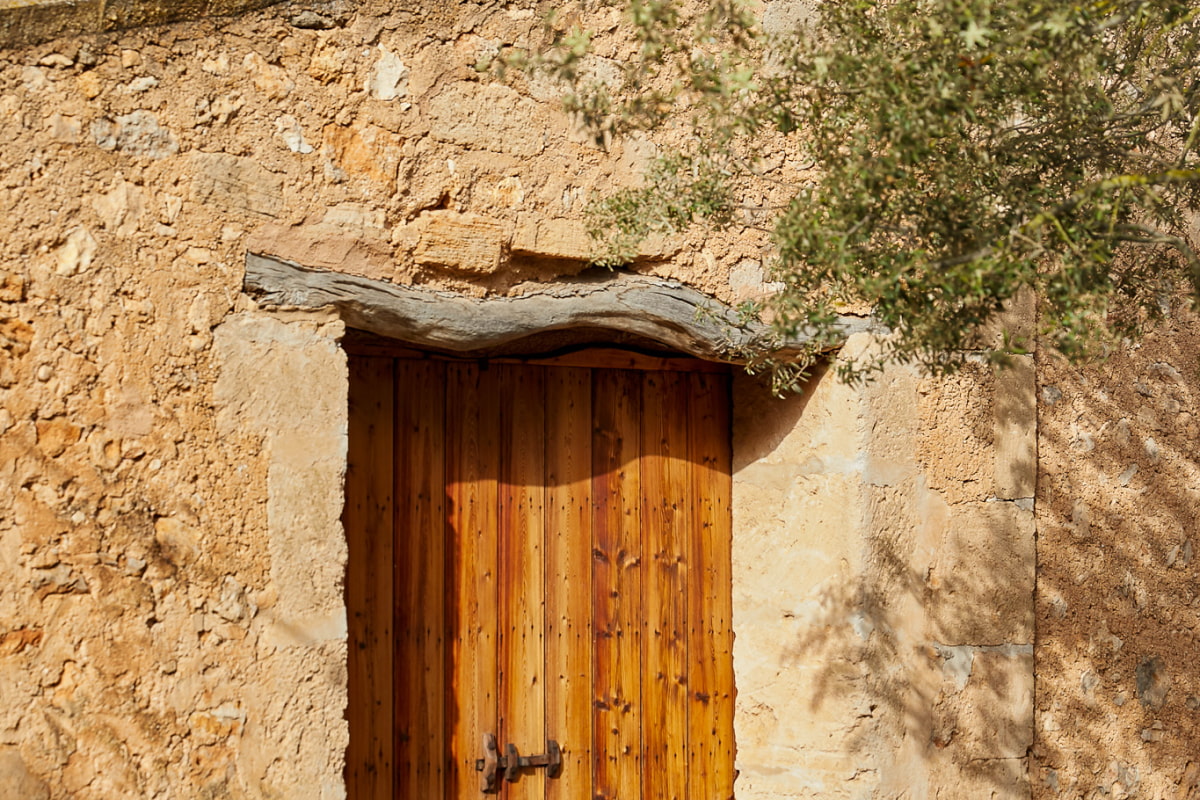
[[420, 596], [710, 678], [616, 590], [368, 522], [568, 578], [665, 516], [522, 570], [472, 467]]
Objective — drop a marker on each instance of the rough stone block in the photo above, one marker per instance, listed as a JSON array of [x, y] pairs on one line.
[[554, 238], [995, 779], [982, 580], [786, 17], [991, 715], [56, 435], [305, 434], [137, 134], [460, 242], [490, 116], [956, 433], [1013, 326], [1015, 438], [355, 251], [236, 183], [367, 151]]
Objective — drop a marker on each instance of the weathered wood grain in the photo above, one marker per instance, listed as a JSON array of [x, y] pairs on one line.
[[672, 314], [369, 538], [472, 466], [665, 519], [522, 571], [617, 587], [568, 578], [710, 607], [420, 568]]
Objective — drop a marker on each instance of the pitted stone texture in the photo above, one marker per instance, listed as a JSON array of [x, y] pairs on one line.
[[24, 22], [466, 243], [171, 615], [1118, 637], [287, 383], [1015, 437], [16, 781], [237, 184], [957, 454], [489, 116], [972, 605]]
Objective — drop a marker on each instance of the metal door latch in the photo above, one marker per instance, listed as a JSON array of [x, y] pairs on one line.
[[512, 761]]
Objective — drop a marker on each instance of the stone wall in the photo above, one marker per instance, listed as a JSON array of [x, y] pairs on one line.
[[1118, 625], [883, 593], [171, 454], [24, 22]]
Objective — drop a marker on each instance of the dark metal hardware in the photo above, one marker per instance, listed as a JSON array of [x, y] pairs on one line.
[[512, 761]]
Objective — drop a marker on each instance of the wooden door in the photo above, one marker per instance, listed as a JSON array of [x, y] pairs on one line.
[[539, 552]]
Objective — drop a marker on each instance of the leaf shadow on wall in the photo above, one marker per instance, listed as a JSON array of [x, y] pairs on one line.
[[1118, 611]]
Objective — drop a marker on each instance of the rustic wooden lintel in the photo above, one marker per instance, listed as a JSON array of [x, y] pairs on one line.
[[669, 313]]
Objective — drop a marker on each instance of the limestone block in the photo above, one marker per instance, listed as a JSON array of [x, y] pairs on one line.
[[985, 707], [982, 580], [352, 250], [553, 238], [489, 116], [957, 429], [137, 133], [236, 183], [460, 242], [1015, 438], [287, 382], [991, 779], [785, 773]]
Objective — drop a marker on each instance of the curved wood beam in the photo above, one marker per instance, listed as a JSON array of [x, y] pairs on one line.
[[678, 317]]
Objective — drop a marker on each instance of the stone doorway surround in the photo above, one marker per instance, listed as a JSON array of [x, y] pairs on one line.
[[883, 549]]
